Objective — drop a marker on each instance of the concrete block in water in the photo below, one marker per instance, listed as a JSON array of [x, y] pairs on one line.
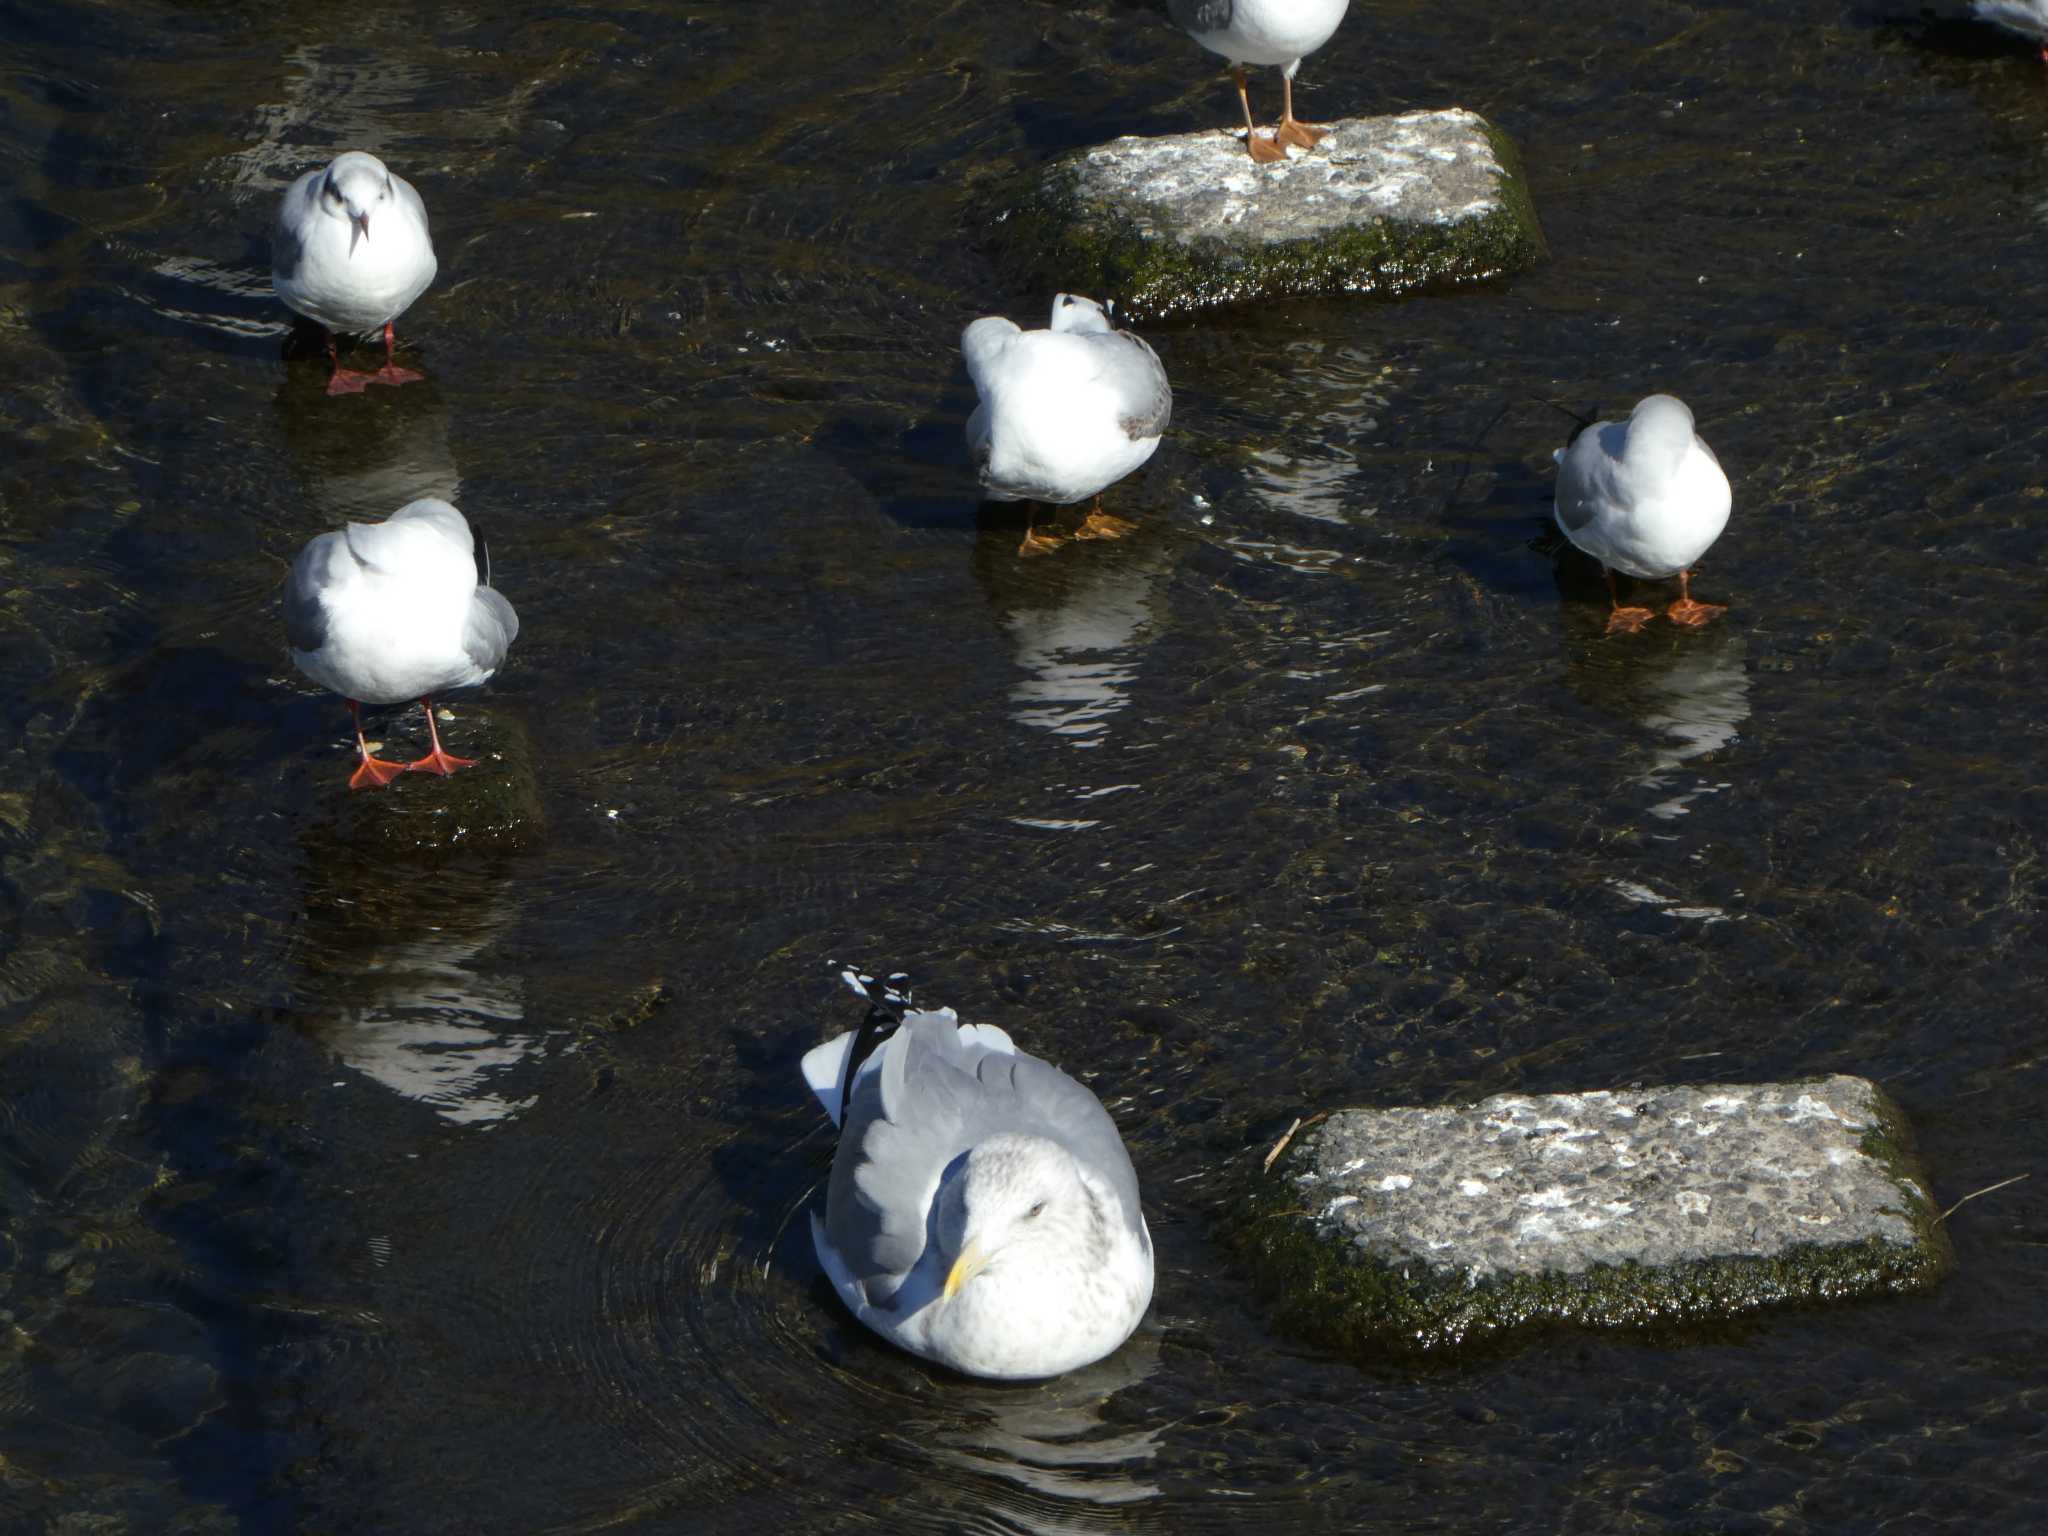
[[1383, 205], [1406, 1230]]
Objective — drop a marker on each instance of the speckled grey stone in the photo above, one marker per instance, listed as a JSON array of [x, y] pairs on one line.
[[1381, 205], [1608, 1207]]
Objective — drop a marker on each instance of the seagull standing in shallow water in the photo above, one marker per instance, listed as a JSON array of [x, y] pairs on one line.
[[1281, 32], [1064, 412], [982, 1210], [387, 612], [1645, 497], [351, 252]]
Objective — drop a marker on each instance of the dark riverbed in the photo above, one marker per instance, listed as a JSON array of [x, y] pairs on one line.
[[346, 1192]]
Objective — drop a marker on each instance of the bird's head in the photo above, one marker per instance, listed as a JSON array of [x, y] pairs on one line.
[[356, 186], [1076, 312], [1011, 1194]]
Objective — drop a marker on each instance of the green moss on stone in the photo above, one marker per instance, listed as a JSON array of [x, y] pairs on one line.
[[1059, 236], [1325, 1292]]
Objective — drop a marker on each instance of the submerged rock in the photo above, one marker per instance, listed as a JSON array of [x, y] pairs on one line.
[[1383, 205], [1407, 1230], [495, 806]]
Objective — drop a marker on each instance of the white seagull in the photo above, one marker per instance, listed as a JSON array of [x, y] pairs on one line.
[[982, 1210], [351, 252], [387, 612], [2029, 18], [1065, 411], [1281, 32], [1645, 497]]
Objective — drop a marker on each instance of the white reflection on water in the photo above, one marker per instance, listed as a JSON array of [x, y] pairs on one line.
[[1052, 1442], [1082, 651], [1696, 699], [423, 1016]]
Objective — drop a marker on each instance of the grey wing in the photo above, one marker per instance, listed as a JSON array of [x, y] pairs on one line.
[[906, 1123], [491, 629], [1201, 15], [1141, 380], [305, 616], [286, 248]]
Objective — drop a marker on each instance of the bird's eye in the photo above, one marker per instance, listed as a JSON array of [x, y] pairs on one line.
[[1035, 1212]]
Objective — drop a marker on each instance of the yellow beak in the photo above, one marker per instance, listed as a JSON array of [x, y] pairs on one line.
[[970, 1263]]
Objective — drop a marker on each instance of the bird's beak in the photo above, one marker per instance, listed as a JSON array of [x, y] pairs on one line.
[[361, 221], [972, 1261]]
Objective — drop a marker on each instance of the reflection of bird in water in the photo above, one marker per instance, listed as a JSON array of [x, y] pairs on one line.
[[1280, 32], [982, 1210], [351, 252], [1077, 628], [1690, 693], [1646, 497], [1065, 411], [412, 1008], [386, 612], [2029, 18], [355, 466], [1054, 1443]]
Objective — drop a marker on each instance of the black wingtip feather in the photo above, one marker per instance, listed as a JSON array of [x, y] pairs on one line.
[[888, 1000]]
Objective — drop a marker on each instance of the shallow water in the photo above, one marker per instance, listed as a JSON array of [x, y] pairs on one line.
[[345, 1192]]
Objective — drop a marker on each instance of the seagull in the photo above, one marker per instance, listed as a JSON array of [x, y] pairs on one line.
[[351, 252], [982, 1211], [1064, 411], [386, 612], [2029, 18], [1646, 497], [1281, 32]]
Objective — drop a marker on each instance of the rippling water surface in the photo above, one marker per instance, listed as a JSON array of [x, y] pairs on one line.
[[349, 1190]]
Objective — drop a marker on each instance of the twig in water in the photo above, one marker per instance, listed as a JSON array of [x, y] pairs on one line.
[[1973, 1194], [1281, 1145]]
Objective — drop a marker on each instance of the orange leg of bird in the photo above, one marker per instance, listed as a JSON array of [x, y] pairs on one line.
[[372, 770], [1630, 618], [391, 373], [1290, 131], [1686, 611], [344, 381], [1265, 151], [438, 760]]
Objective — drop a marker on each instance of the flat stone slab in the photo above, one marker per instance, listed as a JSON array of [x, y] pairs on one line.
[[1382, 206], [1406, 1230]]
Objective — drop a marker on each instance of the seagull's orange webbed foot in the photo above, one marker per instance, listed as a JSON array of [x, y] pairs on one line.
[[349, 381], [394, 375], [1103, 525], [1036, 543], [1301, 135], [1629, 620], [374, 772], [439, 761], [1693, 614], [1264, 150]]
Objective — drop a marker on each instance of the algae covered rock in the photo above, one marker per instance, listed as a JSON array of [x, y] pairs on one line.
[[1401, 1231], [495, 806], [1382, 206]]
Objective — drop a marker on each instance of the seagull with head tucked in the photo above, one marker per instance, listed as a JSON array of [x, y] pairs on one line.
[[1645, 497], [1280, 32], [383, 613], [351, 252], [982, 1210], [1065, 411]]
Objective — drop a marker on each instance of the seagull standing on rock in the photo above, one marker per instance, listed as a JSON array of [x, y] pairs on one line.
[[1065, 412], [351, 252], [383, 613], [982, 1210], [1281, 32], [1645, 497]]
